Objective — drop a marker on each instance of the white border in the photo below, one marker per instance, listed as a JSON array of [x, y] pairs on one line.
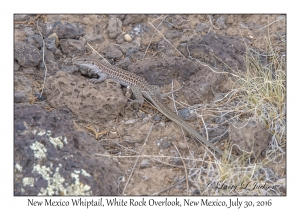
[[154, 6]]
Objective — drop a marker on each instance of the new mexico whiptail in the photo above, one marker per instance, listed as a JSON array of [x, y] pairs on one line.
[[139, 87]]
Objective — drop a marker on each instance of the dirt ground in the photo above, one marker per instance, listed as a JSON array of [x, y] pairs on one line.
[[139, 151]]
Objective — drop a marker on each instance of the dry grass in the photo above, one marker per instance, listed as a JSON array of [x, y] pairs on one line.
[[240, 176], [262, 91], [259, 94]]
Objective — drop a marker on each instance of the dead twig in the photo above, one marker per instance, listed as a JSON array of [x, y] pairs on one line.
[[97, 53], [97, 134]]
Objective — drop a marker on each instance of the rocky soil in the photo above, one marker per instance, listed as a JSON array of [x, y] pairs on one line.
[[79, 138]]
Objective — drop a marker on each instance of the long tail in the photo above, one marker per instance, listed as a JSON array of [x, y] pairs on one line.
[[171, 115]]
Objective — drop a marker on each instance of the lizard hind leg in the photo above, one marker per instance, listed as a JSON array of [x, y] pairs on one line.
[[136, 91]]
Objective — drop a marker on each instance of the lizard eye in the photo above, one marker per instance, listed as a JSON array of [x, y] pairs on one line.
[[84, 59]]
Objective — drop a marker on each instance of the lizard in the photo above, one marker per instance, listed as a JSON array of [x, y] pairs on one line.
[[140, 88]]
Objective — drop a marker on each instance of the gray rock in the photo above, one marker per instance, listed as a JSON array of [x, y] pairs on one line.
[[129, 48], [220, 22], [139, 30], [28, 31], [124, 63], [156, 118], [201, 27], [20, 97], [29, 70], [27, 55], [120, 39], [87, 101], [184, 38], [70, 69], [145, 120], [228, 50], [166, 69], [145, 163], [49, 56], [176, 161], [58, 53], [172, 34], [162, 124], [131, 121], [164, 144], [186, 114], [112, 52], [63, 31], [254, 137], [114, 27], [22, 89], [217, 133], [51, 158], [177, 20], [72, 47], [93, 38], [50, 43], [132, 19], [121, 17], [35, 40], [182, 145]]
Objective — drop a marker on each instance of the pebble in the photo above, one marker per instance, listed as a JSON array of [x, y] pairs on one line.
[[132, 121], [186, 114], [145, 120], [182, 145], [145, 178], [55, 37], [165, 144], [145, 163], [127, 38], [156, 118], [162, 124]]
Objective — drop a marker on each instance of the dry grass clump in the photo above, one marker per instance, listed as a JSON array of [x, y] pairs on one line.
[[262, 90], [237, 177], [259, 94]]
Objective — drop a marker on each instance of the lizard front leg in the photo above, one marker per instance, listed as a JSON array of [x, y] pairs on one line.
[[101, 78]]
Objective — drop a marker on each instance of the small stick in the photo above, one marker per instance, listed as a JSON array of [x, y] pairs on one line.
[[97, 53]]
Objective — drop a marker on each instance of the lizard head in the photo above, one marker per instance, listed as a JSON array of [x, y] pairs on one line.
[[86, 61]]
